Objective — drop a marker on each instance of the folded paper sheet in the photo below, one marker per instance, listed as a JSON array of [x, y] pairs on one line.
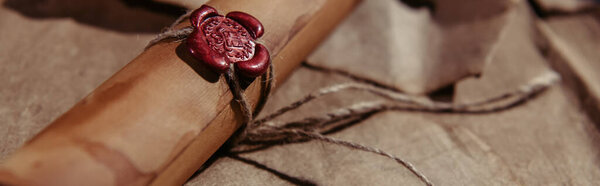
[[416, 50]]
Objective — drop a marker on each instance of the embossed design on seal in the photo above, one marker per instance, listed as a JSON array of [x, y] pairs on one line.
[[219, 41], [229, 38]]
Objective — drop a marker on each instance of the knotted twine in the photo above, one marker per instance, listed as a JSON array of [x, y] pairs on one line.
[[260, 133]]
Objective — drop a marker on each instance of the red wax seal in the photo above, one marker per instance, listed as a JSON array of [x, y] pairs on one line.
[[220, 40]]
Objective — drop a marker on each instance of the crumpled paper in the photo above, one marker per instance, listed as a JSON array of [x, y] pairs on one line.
[[416, 50], [50, 62]]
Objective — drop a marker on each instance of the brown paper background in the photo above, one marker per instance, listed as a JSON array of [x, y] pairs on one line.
[[52, 53]]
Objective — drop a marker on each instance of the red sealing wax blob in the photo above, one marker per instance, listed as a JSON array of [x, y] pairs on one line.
[[220, 40]]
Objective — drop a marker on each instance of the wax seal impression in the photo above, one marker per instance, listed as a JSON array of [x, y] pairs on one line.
[[219, 41]]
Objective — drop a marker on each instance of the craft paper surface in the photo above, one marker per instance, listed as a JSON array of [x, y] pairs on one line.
[[50, 61]]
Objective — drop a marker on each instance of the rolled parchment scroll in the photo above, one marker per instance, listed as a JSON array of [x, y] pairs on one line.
[[157, 120]]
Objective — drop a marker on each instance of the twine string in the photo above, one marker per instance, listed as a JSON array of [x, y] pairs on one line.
[[264, 131], [238, 94], [424, 104]]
